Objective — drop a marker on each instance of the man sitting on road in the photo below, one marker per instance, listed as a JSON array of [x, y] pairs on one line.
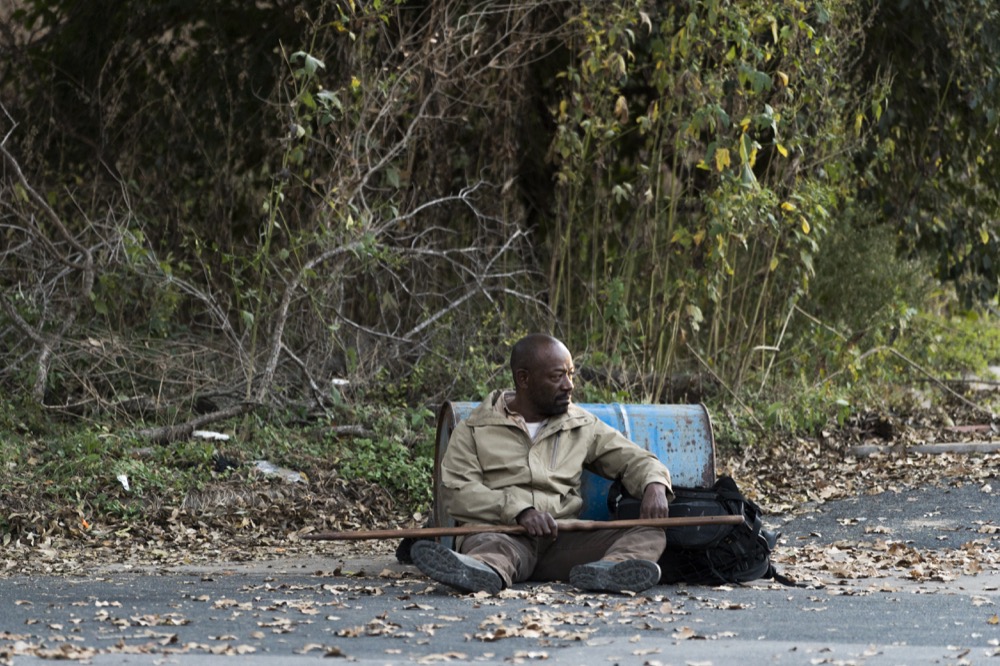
[[518, 458]]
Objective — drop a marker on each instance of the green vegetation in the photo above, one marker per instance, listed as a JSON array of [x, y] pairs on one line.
[[309, 228], [954, 345], [56, 476]]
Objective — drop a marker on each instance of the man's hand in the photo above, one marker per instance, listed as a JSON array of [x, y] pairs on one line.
[[537, 523], [654, 502]]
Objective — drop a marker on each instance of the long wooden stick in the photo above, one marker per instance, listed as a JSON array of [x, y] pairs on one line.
[[564, 526]]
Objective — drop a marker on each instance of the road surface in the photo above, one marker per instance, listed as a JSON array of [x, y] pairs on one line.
[[909, 577]]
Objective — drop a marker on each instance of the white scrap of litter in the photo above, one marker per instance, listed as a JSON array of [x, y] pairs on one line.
[[209, 434], [270, 469], [123, 479]]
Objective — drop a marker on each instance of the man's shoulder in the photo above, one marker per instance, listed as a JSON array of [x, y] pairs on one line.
[[486, 412], [577, 417]]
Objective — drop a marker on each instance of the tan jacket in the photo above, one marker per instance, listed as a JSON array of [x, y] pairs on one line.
[[492, 471]]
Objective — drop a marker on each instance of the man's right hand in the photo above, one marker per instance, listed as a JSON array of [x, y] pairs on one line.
[[537, 523]]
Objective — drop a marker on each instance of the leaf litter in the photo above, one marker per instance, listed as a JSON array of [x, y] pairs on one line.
[[797, 475], [233, 525]]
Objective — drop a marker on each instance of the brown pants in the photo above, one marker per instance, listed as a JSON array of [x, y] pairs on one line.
[[520, 558]]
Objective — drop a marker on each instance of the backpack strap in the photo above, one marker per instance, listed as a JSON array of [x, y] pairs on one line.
[[773, 574]]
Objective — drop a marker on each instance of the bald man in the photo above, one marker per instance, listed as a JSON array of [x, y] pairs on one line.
[[518, 459]]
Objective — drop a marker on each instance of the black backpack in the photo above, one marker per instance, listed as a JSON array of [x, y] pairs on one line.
[[709, 554]]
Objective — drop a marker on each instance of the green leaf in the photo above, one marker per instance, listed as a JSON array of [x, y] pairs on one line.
[[807, 261], [392, 176], [310, 64], [329, 98], [694, 315], [760, 82]]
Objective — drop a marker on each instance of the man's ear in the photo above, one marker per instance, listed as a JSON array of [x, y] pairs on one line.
[[521, 378]]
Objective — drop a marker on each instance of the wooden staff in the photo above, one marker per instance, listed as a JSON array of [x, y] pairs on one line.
[[564, 526]]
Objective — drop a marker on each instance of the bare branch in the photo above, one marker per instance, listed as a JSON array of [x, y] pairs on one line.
[[281, 316], [318, 395], [53, 217], [172, 433]]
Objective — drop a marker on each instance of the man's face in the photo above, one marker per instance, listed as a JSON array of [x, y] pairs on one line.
[[549, 385]]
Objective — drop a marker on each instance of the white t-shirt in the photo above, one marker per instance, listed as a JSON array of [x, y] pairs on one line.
[[533, 428]]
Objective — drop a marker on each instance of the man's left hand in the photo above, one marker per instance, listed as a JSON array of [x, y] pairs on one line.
[[654, 502]]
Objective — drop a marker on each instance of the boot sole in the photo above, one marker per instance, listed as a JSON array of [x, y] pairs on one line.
[[446, 566], [627, 576]]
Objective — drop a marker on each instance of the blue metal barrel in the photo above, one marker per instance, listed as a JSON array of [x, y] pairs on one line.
[[679, 435]]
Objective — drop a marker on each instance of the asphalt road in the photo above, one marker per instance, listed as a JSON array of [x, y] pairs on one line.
[[380, 612]]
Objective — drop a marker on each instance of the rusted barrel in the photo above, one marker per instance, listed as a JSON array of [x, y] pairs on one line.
[[679, 435]]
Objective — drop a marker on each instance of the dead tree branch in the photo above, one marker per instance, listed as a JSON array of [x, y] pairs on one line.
[[65, 319], [172, 433]]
